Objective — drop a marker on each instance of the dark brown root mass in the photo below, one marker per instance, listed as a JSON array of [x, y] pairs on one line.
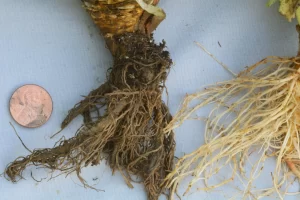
[[130, 132]]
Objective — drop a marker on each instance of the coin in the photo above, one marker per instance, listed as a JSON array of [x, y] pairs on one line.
[[31, 106]]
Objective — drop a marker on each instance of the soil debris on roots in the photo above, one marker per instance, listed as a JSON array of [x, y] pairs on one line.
[[129, 134]]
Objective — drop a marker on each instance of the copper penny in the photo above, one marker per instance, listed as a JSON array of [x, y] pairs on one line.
[[31, 106]]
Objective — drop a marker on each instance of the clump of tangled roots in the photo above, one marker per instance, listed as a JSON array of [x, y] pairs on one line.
[[130, 132], [259, 109]]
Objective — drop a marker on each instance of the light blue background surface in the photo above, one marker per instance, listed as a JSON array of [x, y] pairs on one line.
[[56, 45]]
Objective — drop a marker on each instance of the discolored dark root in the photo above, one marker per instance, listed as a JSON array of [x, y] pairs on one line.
[[130, 132]]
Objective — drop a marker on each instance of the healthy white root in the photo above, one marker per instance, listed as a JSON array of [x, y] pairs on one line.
[[259, 108]]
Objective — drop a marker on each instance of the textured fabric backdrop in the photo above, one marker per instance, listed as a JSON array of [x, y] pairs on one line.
[[55, 44]]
